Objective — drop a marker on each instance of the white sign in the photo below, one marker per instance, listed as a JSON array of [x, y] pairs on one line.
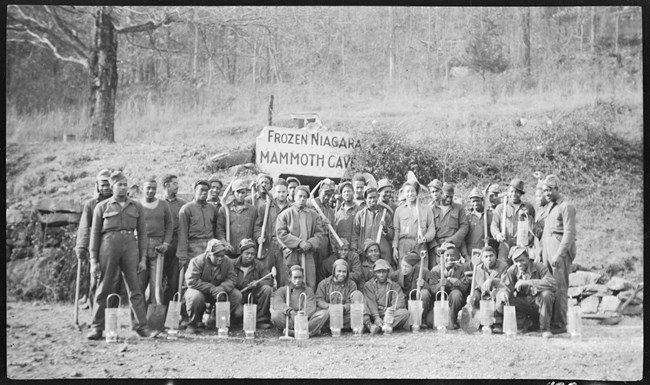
[[312, 152]]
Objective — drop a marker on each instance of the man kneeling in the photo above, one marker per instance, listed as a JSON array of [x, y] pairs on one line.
[[375, 292], [249, 271], [338, 281]]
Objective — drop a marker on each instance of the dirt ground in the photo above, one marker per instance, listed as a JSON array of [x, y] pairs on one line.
[[42, 342]]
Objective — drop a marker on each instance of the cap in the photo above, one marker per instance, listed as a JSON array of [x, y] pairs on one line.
[[239, 184], [368, 243], [281, 182], [383, 183], [380, 265], [517, 251], [264, 176], [447, 246], [551, 181], [245, 244], [412, 258], [339, 262], [487, 249], [494, 188], [104, 175], [435, 184], [327, 185], [303, 188], [343, 184], [295, 267], [475, 193], [518, 184], [367, 190], [215, 246], [448, 188], [215, 178], [201, 181], [293, 179], [115, 177]]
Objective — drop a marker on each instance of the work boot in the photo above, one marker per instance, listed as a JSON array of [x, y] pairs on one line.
[[374, 329], [95, 334], [191, 329], [263, 325], [546, 334], [145, 332]]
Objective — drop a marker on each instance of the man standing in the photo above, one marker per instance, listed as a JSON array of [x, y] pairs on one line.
[[367, 223], [271, 250], [435, 189], [530, 288], [280, 309], [414, 225], [102, 192], [493, 196], [450, 219], [343, 252], [559, 247], [516, 211], [171, 268], [475, 238], [292, 183], [158, 222], [215, 191], [263, 187], [249, 270], [197, 224], [359, 184], [338, 281], [241, 219], [344, 215], [115, 252], [407, 277], [207, 275], [385, 190], [300, 232], [375, 292], [540, 219]]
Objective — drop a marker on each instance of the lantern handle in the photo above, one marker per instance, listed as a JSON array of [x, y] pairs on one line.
[[174, 297], [340, 296], [221, 292], [394, 306], [305, 302], [442, 295], [418, 294], [354, 294], [250, 299], [119, 299]]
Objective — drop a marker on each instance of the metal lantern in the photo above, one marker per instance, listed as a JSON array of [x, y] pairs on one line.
[[523, 228], [486, 309], [173, 318], [301, 322], [574, 324], [222, 313], [509, 321], [336, 314], [415, 310], [441, 311], [250, 317], [389, 316], [111, 319], [356, 313]]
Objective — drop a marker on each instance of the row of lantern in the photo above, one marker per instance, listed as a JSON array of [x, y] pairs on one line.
[[301, 324]]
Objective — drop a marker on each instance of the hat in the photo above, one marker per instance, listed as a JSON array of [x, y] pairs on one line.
[[518, 184], [327, 185], [368, 243], [104, 175], [343, 184], [340, 262], [367, 190], [295, 267], [215, 246], [239, 184], [447, 246], [435, 184], [214, 178], [517, 251], [475, 193], [281, 182], [412, 258], [263, 176], [115, 177], [201, 181], [245, 244], [303, 188], [293, 179], [487, 249], [494, 188], [383, 183], [551, 181], [380, 265], [448, 188]]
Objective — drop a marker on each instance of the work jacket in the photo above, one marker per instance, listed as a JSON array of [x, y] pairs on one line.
[[366, 226], [451, 226], [458, 272], [540, 277], [206, 277], [242, 223], [279, 299], [375, 294], [329, 285], [256, 271], [109, 216], [196, 221]]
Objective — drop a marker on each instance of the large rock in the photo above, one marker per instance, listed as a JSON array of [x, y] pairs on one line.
[[31, 278], [618, 284], [14, 216], [587, 290], [638, 299], [609, 303], [59, 205], [590, 304], [633, 310], [235, 157], [581, 278]]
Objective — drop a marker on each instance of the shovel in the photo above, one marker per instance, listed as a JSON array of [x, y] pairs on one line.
[[618, 316], [286, 336], [156, 312], [76, 295], [469, 317]]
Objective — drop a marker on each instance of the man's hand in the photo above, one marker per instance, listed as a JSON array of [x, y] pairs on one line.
[[326, 222], [470, 300], [453, 281], [502, 297], [327, 305], [305, 246], [522, 285], [395, 254], [142, 265], [182, 260], [94, 269], [162, 248], [420, 282], [261, 240], [499, 237], [378, 321], [346, 308], [421, 239], [82, 254], [555, 260], [487, 285]]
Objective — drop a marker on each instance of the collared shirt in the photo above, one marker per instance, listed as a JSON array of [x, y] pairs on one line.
[[475, 238], [405, 223], [329, 285], [279, 304], [410, 281], [196, 221], [513, 212], [203, 275], [451, 224], [457, 271], [252, 273], [376, 296], [540, 277], [109, 215], [366, 225], [482, 273], [175, 205], [561, 223], [85, 223]]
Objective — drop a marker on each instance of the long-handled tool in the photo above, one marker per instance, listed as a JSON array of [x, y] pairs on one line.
[[76, 294], [618, 316], [329, 225], [226, 210], [157, 311], [469, 321], [264, 223], [286, 336], [252, 284], [486, 200], [381, 226]]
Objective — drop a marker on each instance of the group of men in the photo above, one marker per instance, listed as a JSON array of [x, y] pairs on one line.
[[272, 241]]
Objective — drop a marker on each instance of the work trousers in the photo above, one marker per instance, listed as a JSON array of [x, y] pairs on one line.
[[261, 296], [315, 322], [273, 258], [118, 253], [402, 318], [195, 301], [147, 277], [171, 270], [539, 306], [550, 245], [456, 302]]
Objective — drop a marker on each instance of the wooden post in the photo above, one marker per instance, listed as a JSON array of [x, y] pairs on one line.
[[271, 111]]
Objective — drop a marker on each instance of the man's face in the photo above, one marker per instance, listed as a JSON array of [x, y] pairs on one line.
[[371, 200], [347, 193], [522, 262], [281, 193], [451, 256], [382, 275], [265, 185], [373, 253], [494, 198], [104, 188], [477, 204], [120, 188], [551, 193], [386, 194], [514, 195], [540, 198], [297, 278], [489, 259], [172, 187], [435, 193], [358, 189], [446, 198], [150, 191], [406, 268], [340, 273], [201, 193], [247, 257], [240, 195], [301, 198], [215, 190], [292, 188], [326, 196], [342, 252], [216, 258], [410, 194]]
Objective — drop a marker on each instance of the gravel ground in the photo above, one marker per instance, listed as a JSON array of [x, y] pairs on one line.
[[43, 342]]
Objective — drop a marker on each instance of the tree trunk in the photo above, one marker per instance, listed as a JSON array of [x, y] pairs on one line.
[[103, 73], [526, 31], [593, 29], [391, 47]]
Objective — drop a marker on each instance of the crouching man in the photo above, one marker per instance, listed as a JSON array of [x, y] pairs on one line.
[[376, 291], [530, 288], [250, 270], [207, 275], [281, 306], [338, 281], [407, 277]]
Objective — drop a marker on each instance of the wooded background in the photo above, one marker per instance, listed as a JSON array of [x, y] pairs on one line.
[[215, 60]]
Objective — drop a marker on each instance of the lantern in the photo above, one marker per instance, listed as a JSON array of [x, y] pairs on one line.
[[523, 229], [415, 310], [111, 319], [301, 322], [356, 312], [441, 311], [509, 321], [574, 324], [487, 315], [389, 316], [173, 316], [250, 317], [222, 313], [336, 314]]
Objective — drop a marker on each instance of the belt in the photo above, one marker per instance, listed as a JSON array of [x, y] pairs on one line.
[[120, 231]]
